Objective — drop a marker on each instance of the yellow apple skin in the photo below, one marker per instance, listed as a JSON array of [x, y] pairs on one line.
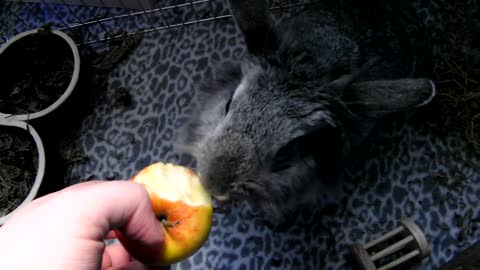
[[183, 204]]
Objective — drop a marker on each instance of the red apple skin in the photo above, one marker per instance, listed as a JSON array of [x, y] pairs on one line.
[[183, 208]]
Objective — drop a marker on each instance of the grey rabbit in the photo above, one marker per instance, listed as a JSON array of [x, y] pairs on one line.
[[271, 127]]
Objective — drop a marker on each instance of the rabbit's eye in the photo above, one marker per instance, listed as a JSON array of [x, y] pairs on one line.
[[227, 106], [282, 159]]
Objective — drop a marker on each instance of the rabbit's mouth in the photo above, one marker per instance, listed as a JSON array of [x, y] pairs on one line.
[[229, 196], [222, 198], [235, 192]]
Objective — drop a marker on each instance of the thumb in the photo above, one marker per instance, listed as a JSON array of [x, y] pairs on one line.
[[125, 207]]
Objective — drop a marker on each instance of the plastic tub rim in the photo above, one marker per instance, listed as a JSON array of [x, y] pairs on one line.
[[41, 165], [71, 85]]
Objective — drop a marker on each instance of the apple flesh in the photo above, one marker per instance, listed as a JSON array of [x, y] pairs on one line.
[[183, 207]]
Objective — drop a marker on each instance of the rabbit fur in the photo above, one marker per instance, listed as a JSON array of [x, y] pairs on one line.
[[272, 126]]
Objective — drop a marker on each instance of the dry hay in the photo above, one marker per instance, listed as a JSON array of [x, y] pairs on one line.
[[457, 73]]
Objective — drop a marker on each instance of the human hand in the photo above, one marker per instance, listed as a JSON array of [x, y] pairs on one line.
[[66, 230]]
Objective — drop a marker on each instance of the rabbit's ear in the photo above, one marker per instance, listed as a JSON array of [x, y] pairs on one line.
[[376, 98], [254, 20], [321, 144]]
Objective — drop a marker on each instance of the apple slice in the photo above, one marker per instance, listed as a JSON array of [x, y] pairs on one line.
[[183, 207]]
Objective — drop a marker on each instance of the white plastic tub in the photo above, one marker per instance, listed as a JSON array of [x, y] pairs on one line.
[[40, 166], [68, 91], [21, 120]]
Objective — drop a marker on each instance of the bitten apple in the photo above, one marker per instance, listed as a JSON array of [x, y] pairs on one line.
[[183, 207]]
